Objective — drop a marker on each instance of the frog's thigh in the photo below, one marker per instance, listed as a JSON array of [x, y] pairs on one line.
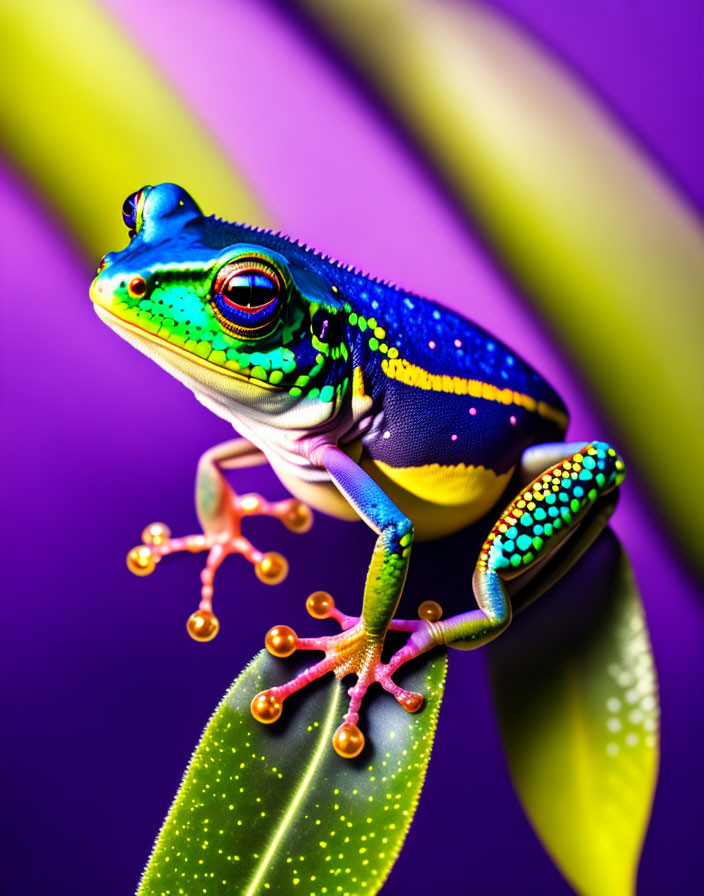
[[538, 458], [212, 493], [574, 496], [439, 498]]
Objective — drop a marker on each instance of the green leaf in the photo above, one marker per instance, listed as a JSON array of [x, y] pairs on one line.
[[576, 692], [273, 809]]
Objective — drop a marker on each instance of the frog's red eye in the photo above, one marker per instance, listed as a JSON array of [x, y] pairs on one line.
[[247, 296], [249, 290], [137, 287]]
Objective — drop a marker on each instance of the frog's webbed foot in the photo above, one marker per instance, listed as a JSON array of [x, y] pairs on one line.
[[352, 651], [270, 567]]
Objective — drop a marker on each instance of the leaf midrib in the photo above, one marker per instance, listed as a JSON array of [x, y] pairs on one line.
[[288, 815]]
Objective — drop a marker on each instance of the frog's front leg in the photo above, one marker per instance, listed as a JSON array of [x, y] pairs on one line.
[[220, 513], [357, 649]]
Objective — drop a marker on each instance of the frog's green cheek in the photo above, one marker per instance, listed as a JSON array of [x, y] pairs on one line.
[[195, 359]]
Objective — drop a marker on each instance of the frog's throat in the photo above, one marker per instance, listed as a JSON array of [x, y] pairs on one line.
[[117, 323]]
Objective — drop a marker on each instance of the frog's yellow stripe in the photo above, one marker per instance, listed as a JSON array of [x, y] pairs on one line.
[[361, 402], [412, 375], [438, 498]]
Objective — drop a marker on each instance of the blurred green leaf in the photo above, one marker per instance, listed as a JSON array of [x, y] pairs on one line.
[[90, 119], [273, 809], [576, 692]]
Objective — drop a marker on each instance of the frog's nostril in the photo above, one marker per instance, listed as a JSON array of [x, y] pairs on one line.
[[102, 264], [137, 287], [99, 294]]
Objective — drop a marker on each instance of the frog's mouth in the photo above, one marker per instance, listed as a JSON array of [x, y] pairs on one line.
[[139, 334]]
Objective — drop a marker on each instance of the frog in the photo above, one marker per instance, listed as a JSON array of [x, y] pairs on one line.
[[369, 403]]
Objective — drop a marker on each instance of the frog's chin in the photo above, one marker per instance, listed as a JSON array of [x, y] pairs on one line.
[[228, 394]]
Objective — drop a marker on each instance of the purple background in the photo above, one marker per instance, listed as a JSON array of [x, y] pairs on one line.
[[104, 694]]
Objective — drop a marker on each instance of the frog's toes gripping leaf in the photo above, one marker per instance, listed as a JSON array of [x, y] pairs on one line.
[[350, 652], [273, 809], [576, 692]]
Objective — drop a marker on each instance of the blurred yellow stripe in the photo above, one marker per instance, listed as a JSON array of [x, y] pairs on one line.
[[89, 119], [607, 251]]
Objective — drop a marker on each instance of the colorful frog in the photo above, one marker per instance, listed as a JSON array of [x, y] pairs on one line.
[[368, 402]]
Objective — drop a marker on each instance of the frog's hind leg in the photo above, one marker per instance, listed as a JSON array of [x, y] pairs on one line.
[[220, 512], [571, 498]]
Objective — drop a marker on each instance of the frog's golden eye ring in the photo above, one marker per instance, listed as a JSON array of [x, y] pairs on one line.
[[247, 297], [132, 211]]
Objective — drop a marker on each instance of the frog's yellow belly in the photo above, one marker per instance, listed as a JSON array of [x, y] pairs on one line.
[[439, 499]]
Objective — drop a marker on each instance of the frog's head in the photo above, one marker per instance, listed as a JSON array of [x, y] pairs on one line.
[[250, 321]]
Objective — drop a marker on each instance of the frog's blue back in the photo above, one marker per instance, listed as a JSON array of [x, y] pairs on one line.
[[450, 392], [473, 400]]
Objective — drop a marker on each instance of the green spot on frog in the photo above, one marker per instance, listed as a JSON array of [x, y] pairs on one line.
[[523, 542]]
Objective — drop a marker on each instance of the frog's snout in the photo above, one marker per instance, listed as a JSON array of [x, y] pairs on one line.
[[99, 293]]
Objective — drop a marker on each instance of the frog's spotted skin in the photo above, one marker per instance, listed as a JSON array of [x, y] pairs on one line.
[[549, 507], [369, 402]]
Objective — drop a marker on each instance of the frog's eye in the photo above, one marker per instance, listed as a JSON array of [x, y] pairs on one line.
[[247, 297], [249, 290], [132, 211]]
